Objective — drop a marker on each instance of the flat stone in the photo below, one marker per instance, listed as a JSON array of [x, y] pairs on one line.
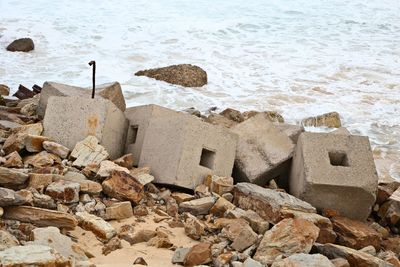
[[13, 160], [288, 237], [88, 151], [123, 186], [118, 211], [56, 149], [40, 217], [9, 197], [64, 191], [198, 254], [7, 240], [33, 143], [181, 197], [304, 260], [180, 255], [97, 225], [12, 177], [160, 242], [199, 206], [15, 142], [271, 205]]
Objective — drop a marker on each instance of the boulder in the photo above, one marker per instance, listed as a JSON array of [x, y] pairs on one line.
[[40, 217], [200, 206], [184, 74], [118, 211], [330, 120], [304, 260], [21, 45], [217, 119], [12, 177], [198, 254], [64, 191], [88, 151], [97, 225], [288, 237], [56, 149], [123, 186], [9, 197], [4, 90]]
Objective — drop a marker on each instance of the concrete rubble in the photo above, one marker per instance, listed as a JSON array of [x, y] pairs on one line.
[[166, 183]]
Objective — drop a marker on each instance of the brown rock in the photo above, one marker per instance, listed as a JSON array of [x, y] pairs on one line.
[[13, 160], [184, 74], [392, 244], [160, 242], [125, 161], [389, 256], [121, 210], [355, 234], [41, 159], [194, 228], [286, 238], [258, 224], [127, 233], [198, 254], [14, 142], [218, 184], [140, 211], [217, 119], [9, 197], [56, 149], [221, 206], [21, 45], [113, 244], [181, 197], [12, 177], [245, 239], [41, 217], [123, 186], [7, 240], [33, 143], [232, 114], [330, 120], [199, 206], [273, 116], [97, 225], [64, 191], [106, 168], [4, 90]]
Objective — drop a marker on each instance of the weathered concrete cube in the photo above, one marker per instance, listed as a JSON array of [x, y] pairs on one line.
[[263, 152], [111, 91], [69, 120], [336, 172], [139, 118], [182, 150]]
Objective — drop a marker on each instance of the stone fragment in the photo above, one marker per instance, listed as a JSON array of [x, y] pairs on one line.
[[180, 255], [392, 244], [32, 255], [232, 114], [330, 120], [221, 206], [198, 254], [263, 152], [118, 211], [42, 159], [33, 143], [15, 142], [106, 167], [4, 90], [13, 160], [123, 186], [199, 206], [7, 240], [21, 45], [181, 197], [217, 119], [271, 205], [88, 151], [68, 120], [304, 260], [144, 178], [288, 237], [244, 239], [113, 244], [43, 201], [194, 228], [97, 225], [51, 237], [218, 184], [140, 211], [64, 191], [355, 234], [160, 242], [9, 197], [125, 161], [1, 211], [56, 149], [12, 177], [335, 172], [86, 185], [128, 234]]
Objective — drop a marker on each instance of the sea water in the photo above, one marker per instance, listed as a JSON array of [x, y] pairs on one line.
[[299, 57]]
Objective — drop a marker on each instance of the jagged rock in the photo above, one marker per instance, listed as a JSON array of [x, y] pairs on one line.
[[221, 206], [233, 114], [9, 197], [43, 201], [128, 234], [113, 244], [288, 237], [123, 186], [199, 206], [390, 210], [355, 234], [218, 184], [21, 45], [64, 191], [4, 90], [271, 205], [258, 224], [40, 217], [180, 255], [12, 177], [194, 228], [304, 260], [7, 240], [86, 185], [392, 244], [354, 257], [41, 159], [121, 210], [140, 211], [32, 255], [330, 120], [39, 181], [97, 225], [33, 143], [144, 178], [160, 242], [340, 262], [198, 254], [56, 149], [272, 116], [30, 108], [239, 232], [181, 197], [88, 151], [140, 261], [125, 161], [106, 168], [13, 160], [15, 142], [51, 237], [183, 74]]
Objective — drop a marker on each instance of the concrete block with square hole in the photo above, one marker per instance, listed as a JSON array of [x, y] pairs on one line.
[[69, 120], [336, 172], [263, 152], [182, 150]]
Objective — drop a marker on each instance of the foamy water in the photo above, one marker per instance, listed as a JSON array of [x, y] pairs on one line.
[[300, 57]]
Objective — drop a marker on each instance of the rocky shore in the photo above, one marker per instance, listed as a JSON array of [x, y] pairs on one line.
[[77, 205]]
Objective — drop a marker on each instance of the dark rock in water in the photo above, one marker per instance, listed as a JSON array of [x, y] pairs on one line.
[[184, 74], [21, 45]]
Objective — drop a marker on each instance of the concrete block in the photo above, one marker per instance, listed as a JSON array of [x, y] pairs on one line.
[[179, 148], [139, 118], [336, 172], [69, 120], [263, 152], [291, 130], [111, 91]]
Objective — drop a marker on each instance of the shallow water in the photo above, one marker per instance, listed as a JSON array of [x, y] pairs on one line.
[[298, 57]]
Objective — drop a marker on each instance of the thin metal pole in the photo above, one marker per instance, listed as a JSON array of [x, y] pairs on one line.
[[93, 76]]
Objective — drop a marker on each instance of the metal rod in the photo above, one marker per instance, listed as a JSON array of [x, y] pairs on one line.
[[93, 76]]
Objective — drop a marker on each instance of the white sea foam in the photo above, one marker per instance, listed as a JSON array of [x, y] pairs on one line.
[[298, 57]]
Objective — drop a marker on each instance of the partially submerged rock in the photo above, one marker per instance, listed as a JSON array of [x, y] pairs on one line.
[[21, 45], [331, 120]]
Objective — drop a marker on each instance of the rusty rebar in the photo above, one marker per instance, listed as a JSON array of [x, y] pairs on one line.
[[93, 63]]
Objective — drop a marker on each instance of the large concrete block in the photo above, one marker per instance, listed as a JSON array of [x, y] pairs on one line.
[[111, 91], [263, 151], [336, 172], [139, 119], [182, 150], [69, 120]]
